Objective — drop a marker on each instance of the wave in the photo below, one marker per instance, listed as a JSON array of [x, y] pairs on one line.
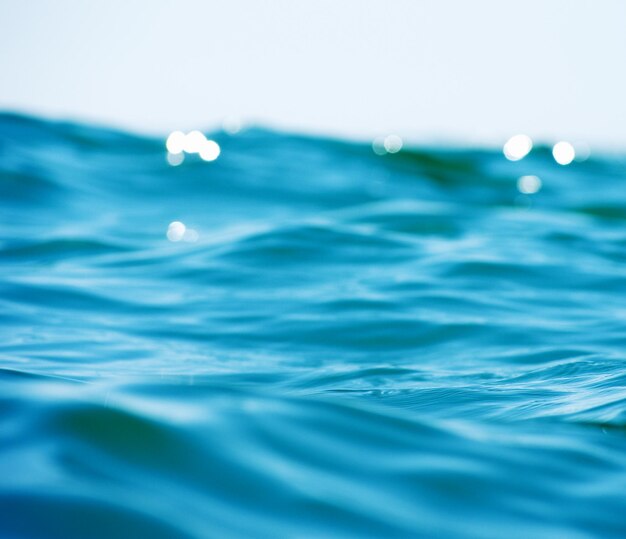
[[338, 343]]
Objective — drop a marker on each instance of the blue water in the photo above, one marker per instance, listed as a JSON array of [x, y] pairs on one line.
[[355, 346]]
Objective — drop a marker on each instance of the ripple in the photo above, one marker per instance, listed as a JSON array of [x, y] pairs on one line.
[[356, 344]]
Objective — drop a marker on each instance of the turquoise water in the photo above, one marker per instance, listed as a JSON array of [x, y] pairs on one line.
[[355, 346]]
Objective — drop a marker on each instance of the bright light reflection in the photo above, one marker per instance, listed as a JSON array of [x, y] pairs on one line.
[[379, 146], [194, 142], [210, 150], [393, 143], [563, 153], [176, 231], [517, 147], [175, 142], [529, 185], [175, 159]]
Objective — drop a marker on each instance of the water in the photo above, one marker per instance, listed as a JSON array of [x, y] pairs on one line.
[[355, 346]]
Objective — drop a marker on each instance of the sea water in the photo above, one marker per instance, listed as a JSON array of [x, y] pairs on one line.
[[305, 338]]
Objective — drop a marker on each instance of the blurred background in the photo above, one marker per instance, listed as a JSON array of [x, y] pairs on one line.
[[435, 71]]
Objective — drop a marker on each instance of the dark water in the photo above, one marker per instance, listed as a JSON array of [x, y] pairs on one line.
[[355, 346]]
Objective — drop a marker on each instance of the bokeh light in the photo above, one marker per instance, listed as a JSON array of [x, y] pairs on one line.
[[388, 144], [176, 231], [175, 159], [379, 146], [517, 147], [529, 185], [210, 150], [175, 142], [563, 153], [194, 141], [393, 143]]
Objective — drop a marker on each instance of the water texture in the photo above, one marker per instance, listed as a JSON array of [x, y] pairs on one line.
[[357, 345]]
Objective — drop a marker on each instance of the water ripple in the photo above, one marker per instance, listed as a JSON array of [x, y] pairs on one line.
[[348, 345]]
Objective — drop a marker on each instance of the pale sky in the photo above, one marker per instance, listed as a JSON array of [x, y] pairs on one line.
[[460, 71]]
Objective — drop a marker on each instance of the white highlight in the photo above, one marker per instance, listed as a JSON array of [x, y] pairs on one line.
[[210, 150], [517, 147], [194, 142], [388, 144], [175, 142], [176, 231], [393, 143], [529, 185], [563, 153], [179, 143]]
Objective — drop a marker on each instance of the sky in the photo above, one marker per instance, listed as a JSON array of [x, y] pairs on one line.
[[436, 71]]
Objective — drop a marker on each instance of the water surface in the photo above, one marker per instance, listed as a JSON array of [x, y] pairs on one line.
[[356, 345]]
